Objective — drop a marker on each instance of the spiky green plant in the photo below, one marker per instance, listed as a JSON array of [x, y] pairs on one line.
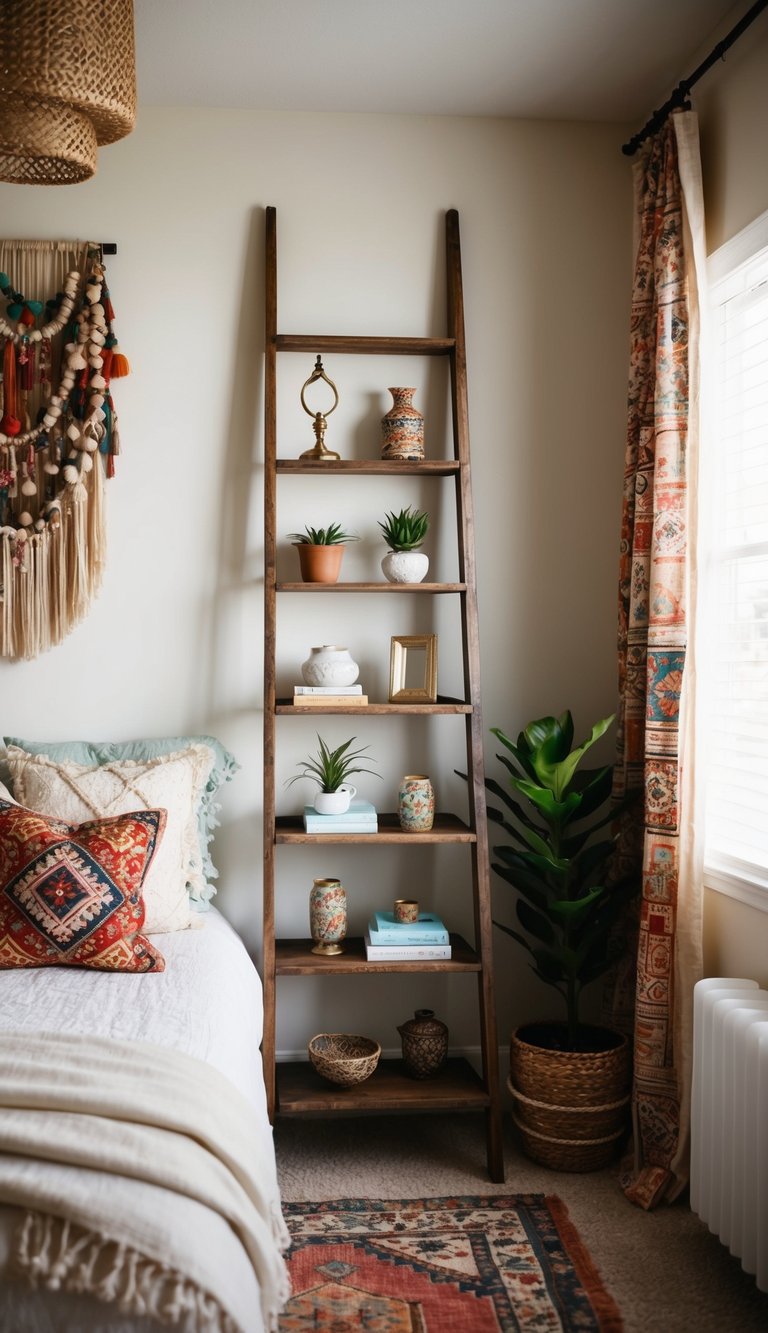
[[567, 903], [330, 768], [330, 536], [405, 531]]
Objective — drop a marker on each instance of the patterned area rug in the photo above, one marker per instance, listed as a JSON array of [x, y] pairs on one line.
[[473, 1264]]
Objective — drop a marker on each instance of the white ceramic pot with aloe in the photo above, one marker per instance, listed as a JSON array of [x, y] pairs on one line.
[[330, 770], [404, 534]]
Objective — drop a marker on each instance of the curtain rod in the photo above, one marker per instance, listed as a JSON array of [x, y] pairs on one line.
[[680, 94]]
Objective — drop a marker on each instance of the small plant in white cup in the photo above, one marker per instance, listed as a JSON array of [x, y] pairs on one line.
[[330, 769]]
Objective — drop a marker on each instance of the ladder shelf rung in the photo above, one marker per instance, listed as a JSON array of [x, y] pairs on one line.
[[367, 346]]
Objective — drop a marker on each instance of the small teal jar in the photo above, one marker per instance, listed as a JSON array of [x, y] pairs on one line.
[[416, 807]]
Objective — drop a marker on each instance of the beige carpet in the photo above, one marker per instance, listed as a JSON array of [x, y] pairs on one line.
[[665, 1271]]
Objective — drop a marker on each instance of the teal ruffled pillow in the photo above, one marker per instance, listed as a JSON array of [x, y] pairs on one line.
[[114, 752]]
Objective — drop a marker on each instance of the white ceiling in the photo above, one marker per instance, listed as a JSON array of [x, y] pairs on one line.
[[610, 60]]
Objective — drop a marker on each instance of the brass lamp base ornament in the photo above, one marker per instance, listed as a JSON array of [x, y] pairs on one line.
[[319, 422]]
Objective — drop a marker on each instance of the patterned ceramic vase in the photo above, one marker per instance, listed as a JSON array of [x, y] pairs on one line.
[[416, 808], [327, 915], [425, 1043], [402, 428]]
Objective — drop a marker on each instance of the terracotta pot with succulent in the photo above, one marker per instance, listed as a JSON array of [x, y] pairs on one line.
[[404, 534], [321, 551], [330, 770], [570, 1080]]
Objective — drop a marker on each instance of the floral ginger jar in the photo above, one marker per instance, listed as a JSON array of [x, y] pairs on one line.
[[416, 806], [329, 666], [327, 916]]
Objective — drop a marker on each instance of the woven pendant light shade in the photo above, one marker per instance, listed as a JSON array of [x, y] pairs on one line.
[[67, 86]]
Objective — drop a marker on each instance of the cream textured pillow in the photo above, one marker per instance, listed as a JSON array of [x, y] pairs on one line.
[[174, 782]]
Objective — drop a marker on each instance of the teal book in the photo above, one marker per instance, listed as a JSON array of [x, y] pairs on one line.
[[429, 929]]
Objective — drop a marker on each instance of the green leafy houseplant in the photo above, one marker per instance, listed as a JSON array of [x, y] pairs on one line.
[[330, 536], [566, 905], [330, 768], [405, 531]]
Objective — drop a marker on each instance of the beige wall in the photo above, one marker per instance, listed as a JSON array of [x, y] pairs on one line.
[[174, 641], [732, 102]]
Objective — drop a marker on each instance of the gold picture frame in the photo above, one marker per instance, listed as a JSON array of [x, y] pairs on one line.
[[405, 668]]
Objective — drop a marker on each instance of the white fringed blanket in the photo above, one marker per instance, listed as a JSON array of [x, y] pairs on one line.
[[142, 1180]]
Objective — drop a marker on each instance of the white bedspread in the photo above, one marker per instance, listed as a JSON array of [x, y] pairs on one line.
[[207, 1004]]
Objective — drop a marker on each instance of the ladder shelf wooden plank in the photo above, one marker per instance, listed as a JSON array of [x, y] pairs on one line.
[[302, 1091], [295, 958], [446, 828], [443, 705], [365, 346], [370, 467], [294, 1088], [410, 589]]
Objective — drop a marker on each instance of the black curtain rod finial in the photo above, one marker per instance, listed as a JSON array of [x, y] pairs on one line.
[[683, 89]]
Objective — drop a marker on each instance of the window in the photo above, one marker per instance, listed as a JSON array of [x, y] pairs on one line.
[[734, 573]]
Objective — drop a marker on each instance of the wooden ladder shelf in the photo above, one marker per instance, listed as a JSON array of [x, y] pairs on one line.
[[295, 1089]]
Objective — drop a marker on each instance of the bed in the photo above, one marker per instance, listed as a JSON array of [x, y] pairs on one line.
[[138, 1187]]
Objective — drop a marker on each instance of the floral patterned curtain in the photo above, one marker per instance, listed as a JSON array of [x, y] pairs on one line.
[[656, 669]]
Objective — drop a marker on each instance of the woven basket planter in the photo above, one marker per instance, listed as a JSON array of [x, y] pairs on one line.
[[570, 1107]]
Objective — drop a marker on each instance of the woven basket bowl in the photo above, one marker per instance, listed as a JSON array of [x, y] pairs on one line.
[[344, 1059]]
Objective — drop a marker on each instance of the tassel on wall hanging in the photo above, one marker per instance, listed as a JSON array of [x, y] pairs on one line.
[[58, 437]]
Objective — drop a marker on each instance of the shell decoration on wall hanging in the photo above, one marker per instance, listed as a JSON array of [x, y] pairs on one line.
[[58, 437]]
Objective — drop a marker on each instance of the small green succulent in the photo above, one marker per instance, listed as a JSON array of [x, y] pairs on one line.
[[330, 768], [330, 536], [405, 531]]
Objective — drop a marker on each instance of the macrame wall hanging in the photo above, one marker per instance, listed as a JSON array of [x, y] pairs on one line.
[[58, 437]]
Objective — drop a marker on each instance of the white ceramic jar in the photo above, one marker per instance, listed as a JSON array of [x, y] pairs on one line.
[[330, 666], [405, 566]]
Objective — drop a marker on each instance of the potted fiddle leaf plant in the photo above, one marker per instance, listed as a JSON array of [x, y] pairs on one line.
[[321, 551], [404, 534], [569, 1079], [330, 770]]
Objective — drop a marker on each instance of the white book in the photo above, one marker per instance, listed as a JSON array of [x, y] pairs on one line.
[[327, 689], [405, 953]]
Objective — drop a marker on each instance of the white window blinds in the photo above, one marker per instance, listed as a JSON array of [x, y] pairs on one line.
[[735, 586]]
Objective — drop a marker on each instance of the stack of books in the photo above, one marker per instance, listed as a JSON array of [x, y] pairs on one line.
[[391, 941], [359, 818], [319, 696]]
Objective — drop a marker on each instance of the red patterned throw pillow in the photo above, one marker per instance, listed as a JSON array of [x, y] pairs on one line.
[[71, 893]]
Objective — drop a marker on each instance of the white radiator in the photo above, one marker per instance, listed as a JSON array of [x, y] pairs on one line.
[[729, 1117]]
